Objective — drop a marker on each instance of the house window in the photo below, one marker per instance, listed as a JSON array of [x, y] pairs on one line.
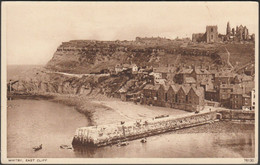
[[211, 29], [166, 97], [187, 98]]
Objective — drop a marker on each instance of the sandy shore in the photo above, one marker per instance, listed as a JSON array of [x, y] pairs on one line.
[[100, 109], [129, 111]]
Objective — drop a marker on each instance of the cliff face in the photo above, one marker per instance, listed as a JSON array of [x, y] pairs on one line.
[[83, 56], [92, 56]]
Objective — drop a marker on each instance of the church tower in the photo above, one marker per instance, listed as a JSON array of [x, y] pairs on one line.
[[228, 29]]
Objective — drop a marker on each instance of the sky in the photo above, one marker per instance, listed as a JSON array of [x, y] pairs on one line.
[[34, 30]]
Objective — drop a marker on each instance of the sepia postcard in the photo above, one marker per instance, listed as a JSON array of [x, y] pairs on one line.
[[129, 82]]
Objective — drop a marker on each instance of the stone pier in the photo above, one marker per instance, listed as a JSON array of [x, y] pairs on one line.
[[103, 135]]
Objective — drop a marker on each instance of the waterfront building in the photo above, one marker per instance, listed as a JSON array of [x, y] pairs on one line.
[[172, 94], [212, 95], [253, 99], [182, 94], [196, 96]]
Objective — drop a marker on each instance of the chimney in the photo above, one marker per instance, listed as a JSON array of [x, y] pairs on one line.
[[244, 89]]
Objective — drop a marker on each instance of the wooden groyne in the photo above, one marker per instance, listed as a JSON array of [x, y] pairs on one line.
[[103, 135]]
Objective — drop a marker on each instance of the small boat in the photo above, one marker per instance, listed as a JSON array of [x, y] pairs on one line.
[[65, 147], [143, 140], [123, 143], [37, 148]]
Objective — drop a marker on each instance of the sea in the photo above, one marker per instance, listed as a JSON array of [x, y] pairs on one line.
[[31, 122]]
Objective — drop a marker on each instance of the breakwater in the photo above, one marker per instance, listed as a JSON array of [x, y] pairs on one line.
[[103, 135]]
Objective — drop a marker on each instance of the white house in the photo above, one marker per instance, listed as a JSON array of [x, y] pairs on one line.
[[118, 68], [134, 68], [253, 99]]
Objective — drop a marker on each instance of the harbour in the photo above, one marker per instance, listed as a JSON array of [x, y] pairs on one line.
[[223, 136]]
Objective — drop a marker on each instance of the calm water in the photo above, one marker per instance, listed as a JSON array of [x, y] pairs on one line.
[[34, 122], [17, 70]]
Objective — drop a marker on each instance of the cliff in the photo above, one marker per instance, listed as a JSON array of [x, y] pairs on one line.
[[86, 56], [80, 57]]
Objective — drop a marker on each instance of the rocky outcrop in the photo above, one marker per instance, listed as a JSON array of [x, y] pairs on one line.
[[43, 82]]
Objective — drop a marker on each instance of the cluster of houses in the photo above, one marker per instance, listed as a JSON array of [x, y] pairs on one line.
[[191, 88], [229, 89]]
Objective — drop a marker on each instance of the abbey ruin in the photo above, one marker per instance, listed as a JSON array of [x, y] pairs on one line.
[[211, 35]]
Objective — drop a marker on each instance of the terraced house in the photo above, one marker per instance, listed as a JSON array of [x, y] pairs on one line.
[[189, 98], [172, 96]]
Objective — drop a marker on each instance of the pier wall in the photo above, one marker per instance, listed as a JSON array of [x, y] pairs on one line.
[[113, 133], [237, 115]]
